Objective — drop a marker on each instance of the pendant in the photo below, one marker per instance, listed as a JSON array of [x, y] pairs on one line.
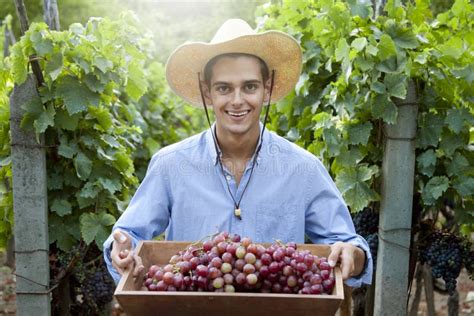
[[237, 213]]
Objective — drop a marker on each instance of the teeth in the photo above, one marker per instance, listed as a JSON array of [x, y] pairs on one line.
[[238, 113]]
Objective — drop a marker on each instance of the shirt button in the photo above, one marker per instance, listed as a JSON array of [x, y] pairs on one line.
[[228, 178]]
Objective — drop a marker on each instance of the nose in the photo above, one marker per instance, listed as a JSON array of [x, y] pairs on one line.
[[237, 99]]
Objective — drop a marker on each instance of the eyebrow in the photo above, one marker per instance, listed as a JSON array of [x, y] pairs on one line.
[[226, 83]]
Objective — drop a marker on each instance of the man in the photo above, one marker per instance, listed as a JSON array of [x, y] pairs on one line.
[[237, 176]]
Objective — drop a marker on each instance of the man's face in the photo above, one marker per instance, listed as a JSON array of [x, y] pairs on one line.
[[237, 93]]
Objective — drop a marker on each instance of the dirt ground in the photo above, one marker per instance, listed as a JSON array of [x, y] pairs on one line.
[[465, 288]]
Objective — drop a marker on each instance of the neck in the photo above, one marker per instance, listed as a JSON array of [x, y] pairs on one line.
[[238, 147]]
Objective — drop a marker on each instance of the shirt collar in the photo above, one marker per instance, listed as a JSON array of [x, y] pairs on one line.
[[212, 147]]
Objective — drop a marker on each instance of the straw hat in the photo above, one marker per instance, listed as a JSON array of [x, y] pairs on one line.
[[279, 50]]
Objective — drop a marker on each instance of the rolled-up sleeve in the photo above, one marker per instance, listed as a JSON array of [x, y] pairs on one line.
[[148, 213], [327, 219]]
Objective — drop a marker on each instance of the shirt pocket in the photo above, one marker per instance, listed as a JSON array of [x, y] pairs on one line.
[[276, 221]]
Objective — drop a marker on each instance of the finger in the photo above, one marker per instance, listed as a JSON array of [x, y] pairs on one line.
[[333, 257], [347, 264], [124, 253], [121, 237], [346, 269], [119, 270], [124, 263], [139, 268]]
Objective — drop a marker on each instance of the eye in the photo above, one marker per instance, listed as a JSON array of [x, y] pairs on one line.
[[251, 86], [222, 89]]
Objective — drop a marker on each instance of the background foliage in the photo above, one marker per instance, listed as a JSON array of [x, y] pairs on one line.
[[103, 110], [356, 68]]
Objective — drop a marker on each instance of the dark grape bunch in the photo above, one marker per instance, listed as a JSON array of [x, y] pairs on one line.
[[227, 263], [445, 253], [97, 288], [373, 241], [366, 223]]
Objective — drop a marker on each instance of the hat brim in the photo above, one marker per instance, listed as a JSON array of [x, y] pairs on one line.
[[279, 50]]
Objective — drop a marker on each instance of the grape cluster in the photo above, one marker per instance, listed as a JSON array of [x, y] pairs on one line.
[[227, 263], [366, 223], [444, 252], [97, 289], [468, 258]]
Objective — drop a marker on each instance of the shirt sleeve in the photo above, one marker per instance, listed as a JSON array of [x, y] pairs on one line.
[[148, 213], [327, 219]]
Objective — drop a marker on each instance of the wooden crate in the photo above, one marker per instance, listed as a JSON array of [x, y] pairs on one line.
[[137, 301]]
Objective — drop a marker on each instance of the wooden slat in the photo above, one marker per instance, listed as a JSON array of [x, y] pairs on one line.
[[139, 302]]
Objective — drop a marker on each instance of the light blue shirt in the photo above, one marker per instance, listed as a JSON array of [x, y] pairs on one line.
[[290, 193]]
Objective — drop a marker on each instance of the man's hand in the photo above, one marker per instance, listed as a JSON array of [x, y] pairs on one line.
[[352, 259], [122, 254]]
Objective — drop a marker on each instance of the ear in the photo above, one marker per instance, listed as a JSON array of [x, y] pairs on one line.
[[207, 93], [266, 92]]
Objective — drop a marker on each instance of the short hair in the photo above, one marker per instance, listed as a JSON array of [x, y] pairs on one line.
[[210, 64]]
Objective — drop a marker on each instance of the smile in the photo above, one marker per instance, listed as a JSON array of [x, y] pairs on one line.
[[237, 114]]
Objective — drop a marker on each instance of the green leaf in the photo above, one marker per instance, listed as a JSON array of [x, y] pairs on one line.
[[359, 133], [33, 107], [95, 227], [54, 66], [123, 163], [107, 219], [362, 8], [136, 84], [67, 151], [452, 48], [464, 185], [342, 50], [458, 166], [19, 63], [396, 85], [111, 185], [451, 142], [378, 87], [55, 181], [89, 190], [386, 47], [303, 84], [292, 134], [111, 141], [58, 234], [45, 119], [83, 165], [430, 130], [93, 83], [43, 46], [76, 96], [401, 35], [427, 162], [61, 207], [332, 140], [65, 121], [347, 158], [455, 119], [384, 108], [103, 64], [103, 116], [434, 189], [352, 182], [372, 50]]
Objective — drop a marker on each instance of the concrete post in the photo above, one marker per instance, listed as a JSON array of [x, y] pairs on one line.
[[398, 169], [30, 205]]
